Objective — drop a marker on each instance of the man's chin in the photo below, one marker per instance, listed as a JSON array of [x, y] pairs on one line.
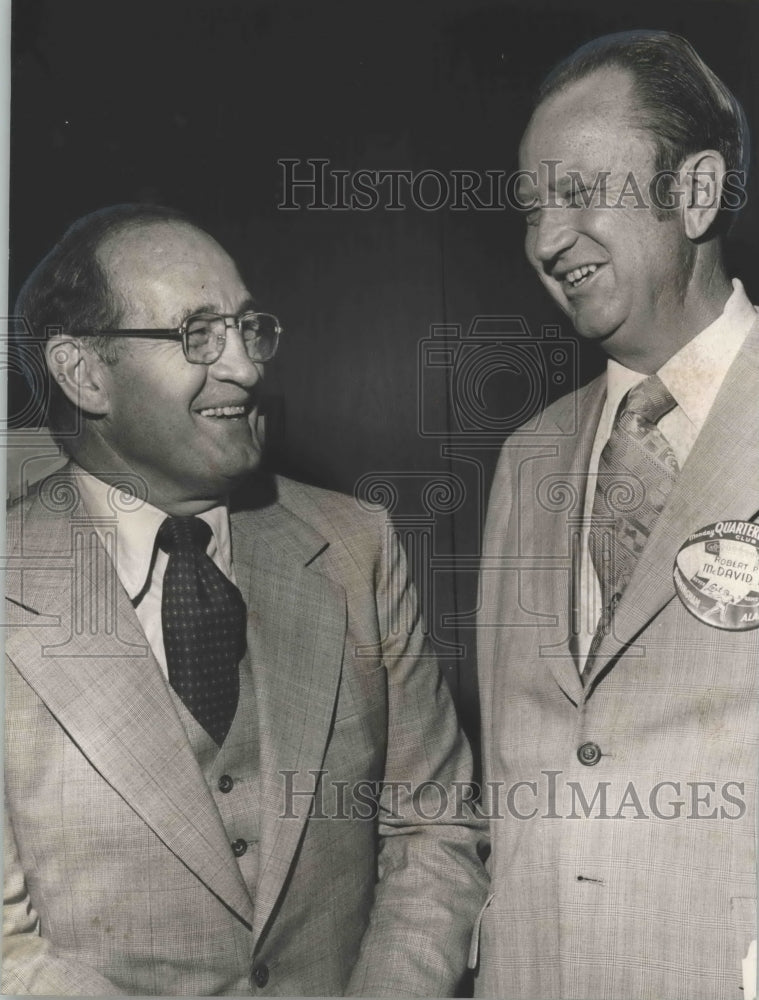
[[596, 328], [228, 469], [240, 471]]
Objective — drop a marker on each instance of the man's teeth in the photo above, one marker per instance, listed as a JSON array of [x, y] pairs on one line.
[[580, 273], [223, 411]]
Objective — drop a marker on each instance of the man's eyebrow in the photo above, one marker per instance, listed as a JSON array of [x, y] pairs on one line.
[[247, 305]]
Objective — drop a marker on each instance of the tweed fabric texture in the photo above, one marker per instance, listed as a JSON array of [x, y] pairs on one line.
[[600, 903], [120, 877]]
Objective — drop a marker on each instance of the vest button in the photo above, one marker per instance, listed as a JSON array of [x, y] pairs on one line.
[[239, 847], [225, 783], [589, 754], [261, 975]]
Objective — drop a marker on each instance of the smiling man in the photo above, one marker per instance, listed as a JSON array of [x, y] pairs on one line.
[[618, 642], [229, 759]]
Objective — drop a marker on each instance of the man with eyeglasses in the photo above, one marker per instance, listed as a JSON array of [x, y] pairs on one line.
[[202, 707]]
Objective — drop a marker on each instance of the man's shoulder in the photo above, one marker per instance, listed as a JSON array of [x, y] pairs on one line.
[[44, 509], [565, 417], [342, 516], [309, 514], [16, 516], [568, 410], [554, 435], [316, 504]]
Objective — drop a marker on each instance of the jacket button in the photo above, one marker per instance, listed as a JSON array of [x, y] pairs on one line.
[[261, 975], [225, 783], [589, 754], [239, 847]]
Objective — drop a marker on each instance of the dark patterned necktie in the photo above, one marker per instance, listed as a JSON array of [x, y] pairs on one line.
[[204, 618], [636, 473]]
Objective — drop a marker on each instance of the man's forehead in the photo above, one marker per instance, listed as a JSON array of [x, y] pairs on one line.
[[582, 114], [155, 240], [590, 130], [162, 271]]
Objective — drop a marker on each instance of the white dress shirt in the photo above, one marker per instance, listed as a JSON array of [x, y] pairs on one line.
[[693, 376], [140, 563]]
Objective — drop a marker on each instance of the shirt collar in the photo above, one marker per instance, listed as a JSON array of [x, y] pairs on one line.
[[693, 375], [136, 527]]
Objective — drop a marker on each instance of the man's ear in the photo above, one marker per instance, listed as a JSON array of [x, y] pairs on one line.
[[702, 175], [79, 373]]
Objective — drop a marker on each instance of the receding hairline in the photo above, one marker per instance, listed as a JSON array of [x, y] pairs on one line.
[[634, 108], [127, 228], [630, 109], [128, 233]]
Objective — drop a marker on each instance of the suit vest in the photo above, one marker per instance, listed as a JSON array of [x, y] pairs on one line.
[[232, 774]]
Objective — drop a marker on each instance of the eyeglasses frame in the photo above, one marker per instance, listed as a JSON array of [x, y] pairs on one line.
[[181, 333]]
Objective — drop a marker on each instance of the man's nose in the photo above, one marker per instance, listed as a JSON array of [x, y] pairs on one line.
[[234, 363], [553, 233]]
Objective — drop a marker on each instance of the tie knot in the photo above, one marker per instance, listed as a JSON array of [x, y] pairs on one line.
[[650, 399], [184, 533]]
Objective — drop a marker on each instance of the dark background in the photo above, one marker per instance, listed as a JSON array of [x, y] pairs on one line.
[[192, 103]]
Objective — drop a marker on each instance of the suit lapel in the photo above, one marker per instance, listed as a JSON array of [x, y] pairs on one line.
[[296, 639], [574, 448], [719, 481], [85, 655]]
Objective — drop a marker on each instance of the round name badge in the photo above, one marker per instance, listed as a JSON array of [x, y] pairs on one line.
[[717, 575]]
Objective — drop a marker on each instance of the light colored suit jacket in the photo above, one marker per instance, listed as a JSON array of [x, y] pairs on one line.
[[624, 903], [119, 874]]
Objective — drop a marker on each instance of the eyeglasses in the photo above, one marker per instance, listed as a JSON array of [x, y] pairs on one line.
[[204, 335]]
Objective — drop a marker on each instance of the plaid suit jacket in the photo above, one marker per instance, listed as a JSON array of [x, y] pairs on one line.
[[119, 876], [628, 895]]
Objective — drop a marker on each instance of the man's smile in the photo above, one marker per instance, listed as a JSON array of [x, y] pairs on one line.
[[579, 275], [576, 277], [224, 411]]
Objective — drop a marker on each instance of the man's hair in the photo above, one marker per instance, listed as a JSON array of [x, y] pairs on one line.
[[68, 292], [682, 104]]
